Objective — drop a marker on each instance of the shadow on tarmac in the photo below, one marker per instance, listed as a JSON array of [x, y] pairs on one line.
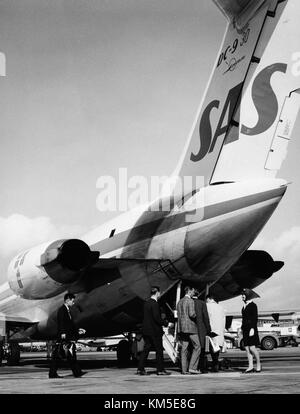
[[90, 364], [236, 363]]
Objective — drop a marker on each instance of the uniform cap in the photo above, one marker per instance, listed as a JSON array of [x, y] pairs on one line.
[[250, 294]]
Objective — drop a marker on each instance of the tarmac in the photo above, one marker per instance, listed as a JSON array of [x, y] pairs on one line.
[[280, 375]]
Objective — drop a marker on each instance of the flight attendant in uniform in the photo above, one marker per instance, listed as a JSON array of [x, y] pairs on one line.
[[249, 329]]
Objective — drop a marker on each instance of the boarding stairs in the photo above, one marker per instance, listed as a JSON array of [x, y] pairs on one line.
[[170, 344]]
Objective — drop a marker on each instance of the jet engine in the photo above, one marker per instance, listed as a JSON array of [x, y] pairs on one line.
[[47, 270], [253, 268]]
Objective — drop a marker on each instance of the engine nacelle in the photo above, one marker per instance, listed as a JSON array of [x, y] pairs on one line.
[[46, 270], [253, 268]]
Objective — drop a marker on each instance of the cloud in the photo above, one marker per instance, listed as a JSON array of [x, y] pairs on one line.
[[18, 232], [287, 244]]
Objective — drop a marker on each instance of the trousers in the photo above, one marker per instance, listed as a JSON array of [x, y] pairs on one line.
[[71, 359], [186, 339], [203, 360], [156, 343]]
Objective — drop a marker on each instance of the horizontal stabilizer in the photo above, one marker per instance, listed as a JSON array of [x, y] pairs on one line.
[[239, 11]]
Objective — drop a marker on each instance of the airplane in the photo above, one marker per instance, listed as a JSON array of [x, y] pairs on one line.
[[237, 144]]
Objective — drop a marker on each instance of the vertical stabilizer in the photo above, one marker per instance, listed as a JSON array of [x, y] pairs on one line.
[[256, 144], [224, 88]]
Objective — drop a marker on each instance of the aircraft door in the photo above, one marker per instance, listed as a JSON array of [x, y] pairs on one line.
[[283, 131]]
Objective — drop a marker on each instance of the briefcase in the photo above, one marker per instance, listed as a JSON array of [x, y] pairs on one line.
[[64, 349]]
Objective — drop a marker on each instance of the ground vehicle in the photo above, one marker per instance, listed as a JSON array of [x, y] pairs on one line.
[[269, 340], [286, 328]]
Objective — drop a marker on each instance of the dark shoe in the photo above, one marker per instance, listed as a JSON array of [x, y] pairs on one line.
[[186, 373], [141, 372], [248, 371], [80, 375], [163, 373], [54, 376]]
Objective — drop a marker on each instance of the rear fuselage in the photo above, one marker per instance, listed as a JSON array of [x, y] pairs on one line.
[[198, 243]]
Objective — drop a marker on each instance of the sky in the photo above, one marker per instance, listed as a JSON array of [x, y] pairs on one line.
[[95, 85]]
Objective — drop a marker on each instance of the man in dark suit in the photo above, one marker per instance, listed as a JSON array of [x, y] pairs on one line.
[[152, 333], [67, 335], [203, 325]]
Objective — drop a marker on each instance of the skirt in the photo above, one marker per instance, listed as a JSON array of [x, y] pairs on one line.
[[250, 340]]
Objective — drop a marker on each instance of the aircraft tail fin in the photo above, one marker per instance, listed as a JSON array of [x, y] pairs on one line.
[[213, 119], [261, 128]]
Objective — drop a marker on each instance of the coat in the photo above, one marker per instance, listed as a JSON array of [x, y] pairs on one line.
[[186, 316], [65, 324], [217, 321], [202, 321], [152, 321], [250, 316]]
